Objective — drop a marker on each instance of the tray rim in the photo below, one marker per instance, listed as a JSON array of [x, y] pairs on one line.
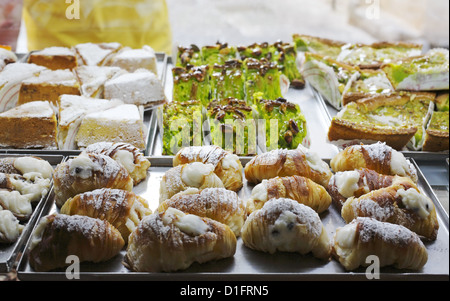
[[166, 162]]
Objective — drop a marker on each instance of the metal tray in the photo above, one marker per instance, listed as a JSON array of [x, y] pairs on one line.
[[248, 265], [331, 112], [148, 112], [10, 254], [317, 120]]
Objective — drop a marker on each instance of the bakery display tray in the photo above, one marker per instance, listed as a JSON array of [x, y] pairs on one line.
[[331, 112], [316, 118], [10, 254], [248, 264], [162, 60]]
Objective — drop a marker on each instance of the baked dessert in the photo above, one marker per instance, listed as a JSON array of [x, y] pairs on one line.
[[429, 72], [141, 87], [394, 245], [29, 167], [373, 56], [285, 163], [11, 78], [96, 54], [181, 125], [396, 205], [232, 126], [297, 188], [227, 81], [191, 84], [54, 58], [191, 175], [219, 204], [356, 183], [10, 227], [122, 209], [218, 54], [31, 125], [6, 57], [126, 154], [88, 172], [264, 77], [189, 56], [284, 225], [133, 59], [398, 119], [227, 166], [329, 77], [378, 157], [437, 133], [173, 241], [442, 101], [57, 236], [285, 116], [71, 112], [34, 189], [92, 79], [322, 46], [369, 83], [19, 205], [122, 123], [49, 85]]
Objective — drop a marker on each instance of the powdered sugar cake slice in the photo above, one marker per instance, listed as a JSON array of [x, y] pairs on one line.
[[134, 59], [142, 87], [6, 57], [123, 123], [72, 110], [11, 78], [54, 58], [93, 78], [96, 54]]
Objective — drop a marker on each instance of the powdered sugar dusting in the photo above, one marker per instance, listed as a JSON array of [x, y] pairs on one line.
[[209, 154], [371, 208]]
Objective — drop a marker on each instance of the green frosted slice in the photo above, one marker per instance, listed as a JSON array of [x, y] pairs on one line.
[[191, 84]]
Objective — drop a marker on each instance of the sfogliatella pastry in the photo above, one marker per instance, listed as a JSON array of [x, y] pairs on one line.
[[284, 163], [300, 189], [58, 236], [88, 172], [284, 225], [192, 175], [172, 241], [355, 183], [378, 157], [396, 205], [228, 167], [219, 204], [394, 245], [10, 227], [127, 155], [122, 209]]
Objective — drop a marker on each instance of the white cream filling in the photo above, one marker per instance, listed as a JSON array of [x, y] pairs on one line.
[[345, 236], [281, 230], [347, 182], [230, 162], [15, 202], [415, 201], [32, 167], [34, 190], [399, 164], [82, 167], [314, 160], [193, 174], [10, 228], [125, 158], [187, 223], [37, 235], [259, 192]]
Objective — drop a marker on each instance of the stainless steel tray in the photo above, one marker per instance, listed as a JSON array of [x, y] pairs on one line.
[[10, 254], [248, 265], [148, 121], [317, 120], [331, 112]]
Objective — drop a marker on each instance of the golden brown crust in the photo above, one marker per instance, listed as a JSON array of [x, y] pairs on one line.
[[436, 141]]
